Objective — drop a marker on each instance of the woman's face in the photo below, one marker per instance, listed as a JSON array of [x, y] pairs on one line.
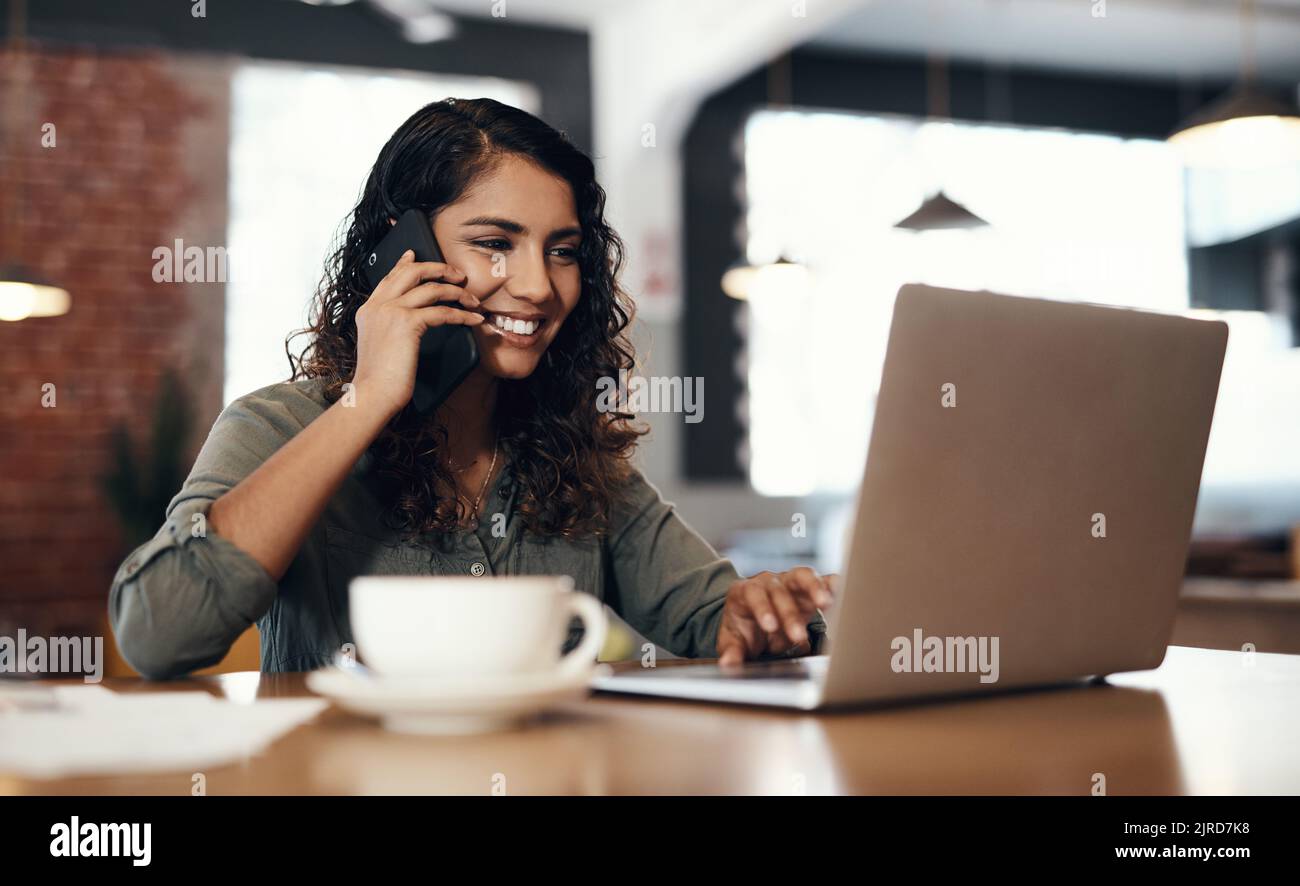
[[515, 234]]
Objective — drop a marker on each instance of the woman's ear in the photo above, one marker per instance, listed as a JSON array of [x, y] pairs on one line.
[[391, 221]]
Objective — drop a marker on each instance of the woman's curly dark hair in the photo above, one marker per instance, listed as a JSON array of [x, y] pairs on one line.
[[570, 458]]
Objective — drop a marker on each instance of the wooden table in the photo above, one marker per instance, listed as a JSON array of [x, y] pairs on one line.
[[1228, 613], [1205, 722]]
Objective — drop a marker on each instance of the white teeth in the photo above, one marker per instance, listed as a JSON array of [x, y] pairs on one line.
[[519, 327]]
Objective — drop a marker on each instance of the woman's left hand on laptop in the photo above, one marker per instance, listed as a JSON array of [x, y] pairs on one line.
[[768, 614]]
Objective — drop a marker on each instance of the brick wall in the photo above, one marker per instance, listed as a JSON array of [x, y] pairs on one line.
[[140, 160]]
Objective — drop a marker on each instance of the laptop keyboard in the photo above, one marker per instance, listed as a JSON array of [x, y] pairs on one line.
[[782, 669]]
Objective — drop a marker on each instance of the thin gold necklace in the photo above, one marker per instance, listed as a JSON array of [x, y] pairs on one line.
[[473, 511]]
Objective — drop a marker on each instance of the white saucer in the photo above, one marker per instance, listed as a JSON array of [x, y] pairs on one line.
[[442, 706]]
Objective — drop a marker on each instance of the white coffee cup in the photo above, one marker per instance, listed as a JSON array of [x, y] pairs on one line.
[[461, 627]]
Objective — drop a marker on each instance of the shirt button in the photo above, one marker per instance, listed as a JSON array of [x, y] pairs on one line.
[[477, 569]]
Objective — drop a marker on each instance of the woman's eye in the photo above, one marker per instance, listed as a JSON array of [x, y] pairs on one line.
[[493, 245], [565, 252]]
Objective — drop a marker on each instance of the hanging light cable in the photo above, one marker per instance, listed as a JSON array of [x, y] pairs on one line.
[[938, 211], [782, 277]]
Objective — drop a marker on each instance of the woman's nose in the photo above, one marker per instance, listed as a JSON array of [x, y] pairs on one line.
[[527, 277]]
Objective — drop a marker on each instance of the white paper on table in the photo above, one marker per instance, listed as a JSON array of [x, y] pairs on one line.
[[91, 730]]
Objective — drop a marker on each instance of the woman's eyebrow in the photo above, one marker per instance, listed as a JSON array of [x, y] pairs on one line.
[[504, 224], [515, 227]]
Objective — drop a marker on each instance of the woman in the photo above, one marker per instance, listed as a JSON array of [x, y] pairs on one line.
[[303, 485]]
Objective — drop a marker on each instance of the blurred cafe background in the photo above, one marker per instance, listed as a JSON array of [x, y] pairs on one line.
[[777, 169]]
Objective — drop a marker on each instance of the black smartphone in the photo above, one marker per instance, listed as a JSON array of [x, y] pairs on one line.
[[447, 353]]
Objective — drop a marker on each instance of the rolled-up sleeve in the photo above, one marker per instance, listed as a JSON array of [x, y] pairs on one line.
[[666, 580], [180, 600]]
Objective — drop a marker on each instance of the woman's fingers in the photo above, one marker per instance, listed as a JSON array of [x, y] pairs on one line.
[[443, 316], [833, 583], [770, 613], [408, 273], [387, 289], [764, 601], [809, 587], [742, 633], [758, 605], [432, 293], [793, 616], [732, 648]]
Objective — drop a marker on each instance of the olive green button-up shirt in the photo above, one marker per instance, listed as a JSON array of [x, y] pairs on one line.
[[180, 600]]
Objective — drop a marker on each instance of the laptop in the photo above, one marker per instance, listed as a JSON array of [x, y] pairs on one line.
[[1024, 514]]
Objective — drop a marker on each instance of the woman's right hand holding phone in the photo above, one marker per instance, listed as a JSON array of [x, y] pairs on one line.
[[270, 512], [413, 297]]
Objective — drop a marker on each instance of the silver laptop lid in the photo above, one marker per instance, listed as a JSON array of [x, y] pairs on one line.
[[1028, 495]]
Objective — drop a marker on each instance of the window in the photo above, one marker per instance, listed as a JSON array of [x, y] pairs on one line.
[[302, 142], [1072, 216]]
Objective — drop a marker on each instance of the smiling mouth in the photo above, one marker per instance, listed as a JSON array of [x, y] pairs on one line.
[[513, 329]]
